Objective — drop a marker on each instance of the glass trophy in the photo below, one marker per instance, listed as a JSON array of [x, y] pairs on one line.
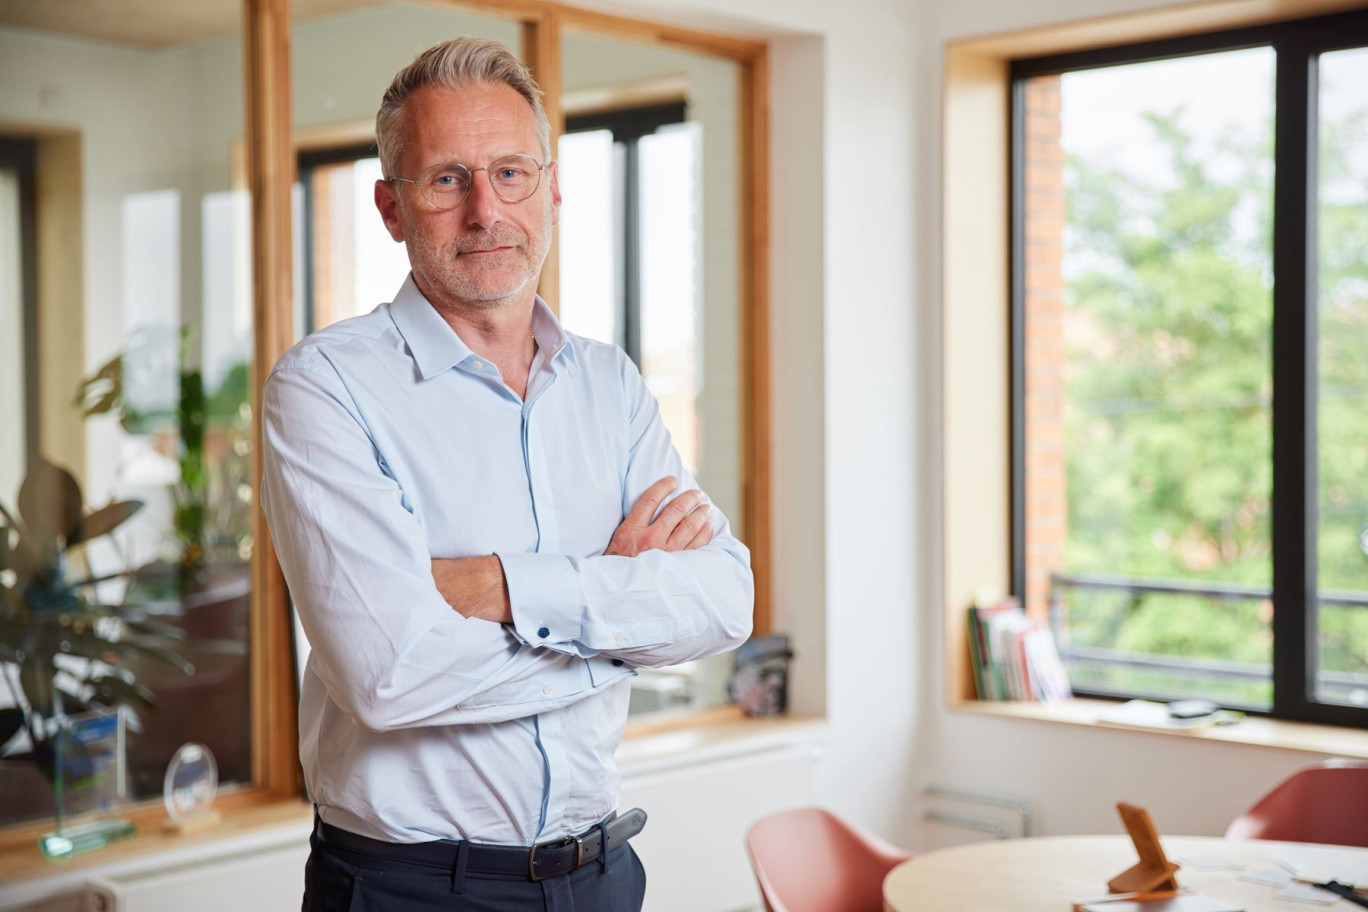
[[189, 789], [89, 783]]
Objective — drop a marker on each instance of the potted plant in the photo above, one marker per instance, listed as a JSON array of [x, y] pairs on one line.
[[65, 643]]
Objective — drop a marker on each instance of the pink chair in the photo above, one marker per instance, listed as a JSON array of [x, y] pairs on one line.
[[1324, 803], [810, 860]]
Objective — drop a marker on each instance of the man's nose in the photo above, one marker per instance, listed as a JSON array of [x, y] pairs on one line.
[[482, 205]]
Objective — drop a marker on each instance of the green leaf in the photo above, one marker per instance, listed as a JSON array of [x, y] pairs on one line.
[[103, 391], [50, 501]]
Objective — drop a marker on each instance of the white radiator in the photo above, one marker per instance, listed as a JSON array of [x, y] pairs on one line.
[[262, 878]]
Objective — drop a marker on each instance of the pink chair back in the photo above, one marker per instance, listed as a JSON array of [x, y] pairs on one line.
[[1324, 803], [810, 860]]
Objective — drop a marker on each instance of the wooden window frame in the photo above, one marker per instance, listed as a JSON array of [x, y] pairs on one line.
[[268, 158]]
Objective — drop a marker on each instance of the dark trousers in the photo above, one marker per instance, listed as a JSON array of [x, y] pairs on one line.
[[336, 880]]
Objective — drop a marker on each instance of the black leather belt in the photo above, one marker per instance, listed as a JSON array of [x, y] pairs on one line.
[[546, 859]]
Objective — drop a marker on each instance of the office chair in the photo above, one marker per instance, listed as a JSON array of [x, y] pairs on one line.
[[1325, 803], [810, 860]]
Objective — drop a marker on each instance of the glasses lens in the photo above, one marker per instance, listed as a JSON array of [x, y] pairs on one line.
[[446, 186], [515, 177]]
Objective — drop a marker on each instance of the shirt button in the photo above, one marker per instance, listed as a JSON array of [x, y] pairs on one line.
[[477, 363], [546, 689], [619, 639], [543, 632]]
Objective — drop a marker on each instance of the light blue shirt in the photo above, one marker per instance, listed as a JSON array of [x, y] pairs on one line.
[[388, 442]]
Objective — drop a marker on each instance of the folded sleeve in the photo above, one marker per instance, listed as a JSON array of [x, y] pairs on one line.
[[655, 609], [386, 645]]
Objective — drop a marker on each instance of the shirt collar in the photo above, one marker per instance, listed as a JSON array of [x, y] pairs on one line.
[[437, 348]]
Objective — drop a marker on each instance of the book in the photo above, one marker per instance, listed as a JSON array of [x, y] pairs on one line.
[[1014, 657]]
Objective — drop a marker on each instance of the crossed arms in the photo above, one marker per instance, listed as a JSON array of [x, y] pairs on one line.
[[475, 586], [531, 631]]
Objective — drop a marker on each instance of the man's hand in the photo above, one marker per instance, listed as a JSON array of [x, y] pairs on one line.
[[474, 586], [682, 526]]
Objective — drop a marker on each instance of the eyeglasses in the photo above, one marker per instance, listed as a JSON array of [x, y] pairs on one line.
[[513, 177]]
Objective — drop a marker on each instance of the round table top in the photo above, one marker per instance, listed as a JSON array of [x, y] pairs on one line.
[[1049, 874]]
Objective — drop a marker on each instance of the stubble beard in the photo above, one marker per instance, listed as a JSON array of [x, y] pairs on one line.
[[482, 281]]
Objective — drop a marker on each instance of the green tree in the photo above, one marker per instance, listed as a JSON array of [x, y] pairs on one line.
[[1169, 394]]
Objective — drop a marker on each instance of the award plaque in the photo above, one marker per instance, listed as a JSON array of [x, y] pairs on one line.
[[88, 783], [189, 789]]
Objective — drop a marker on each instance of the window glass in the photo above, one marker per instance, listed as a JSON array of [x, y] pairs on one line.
[[675, 265], [590, 225], [353, 262], [12, 408], [143, 329], [1342, 403], [1148, 379], [671, 266]]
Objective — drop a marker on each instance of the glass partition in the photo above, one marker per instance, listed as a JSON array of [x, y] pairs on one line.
[[136, 377]]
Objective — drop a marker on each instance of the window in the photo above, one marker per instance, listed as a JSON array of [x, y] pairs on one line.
[[349, 263], [630, 256], [1190, 443]]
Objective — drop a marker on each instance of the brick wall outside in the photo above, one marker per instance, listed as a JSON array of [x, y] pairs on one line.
[[1046, 479]]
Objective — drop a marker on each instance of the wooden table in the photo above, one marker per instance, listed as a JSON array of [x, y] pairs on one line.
[[1049, 874]]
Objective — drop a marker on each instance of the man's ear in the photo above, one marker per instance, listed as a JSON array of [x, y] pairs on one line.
[[387, 201], [555, 193]]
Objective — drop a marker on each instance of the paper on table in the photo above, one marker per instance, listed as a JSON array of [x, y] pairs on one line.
[[1325, 863], [1304, 893], [1210, 862], [1277, 877]]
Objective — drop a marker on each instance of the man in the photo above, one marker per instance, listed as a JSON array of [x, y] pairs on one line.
[[485, 529]]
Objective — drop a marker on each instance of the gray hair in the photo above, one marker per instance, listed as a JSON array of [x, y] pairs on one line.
[[454, 64]]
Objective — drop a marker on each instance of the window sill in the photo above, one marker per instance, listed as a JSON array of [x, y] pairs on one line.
[[1257, 731], [651, 744], [30, 876]]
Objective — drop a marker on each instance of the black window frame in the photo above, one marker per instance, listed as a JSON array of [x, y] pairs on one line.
[[1297, 45], [628, 126]]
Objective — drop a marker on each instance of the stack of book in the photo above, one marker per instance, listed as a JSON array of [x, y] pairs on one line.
[[1015, 658]]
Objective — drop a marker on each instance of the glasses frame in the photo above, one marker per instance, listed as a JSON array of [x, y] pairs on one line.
[[423, 192]]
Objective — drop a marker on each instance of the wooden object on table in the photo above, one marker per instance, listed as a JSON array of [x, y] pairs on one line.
[[1154, 871]]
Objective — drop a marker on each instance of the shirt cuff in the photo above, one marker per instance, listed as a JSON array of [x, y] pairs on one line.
[[545, 599]]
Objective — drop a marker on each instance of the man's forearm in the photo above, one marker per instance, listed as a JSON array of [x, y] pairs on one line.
[[474, 587]]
